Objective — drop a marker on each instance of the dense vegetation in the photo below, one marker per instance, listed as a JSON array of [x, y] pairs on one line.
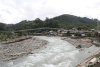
[[6, 35], [98, 55], [63, 21]]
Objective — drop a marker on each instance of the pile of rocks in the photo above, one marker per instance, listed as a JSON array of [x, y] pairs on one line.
[[18, 49], [85, 43]]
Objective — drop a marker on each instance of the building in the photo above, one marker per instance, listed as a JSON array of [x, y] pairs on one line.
[[96, 33], [53, 33], [74, 28]]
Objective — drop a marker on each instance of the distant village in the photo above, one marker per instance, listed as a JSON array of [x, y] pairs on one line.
[[73, 33], [63, 32]]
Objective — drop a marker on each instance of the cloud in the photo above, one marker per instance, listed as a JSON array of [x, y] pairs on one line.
[[14, 11]]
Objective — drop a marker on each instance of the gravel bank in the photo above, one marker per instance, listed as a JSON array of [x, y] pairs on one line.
[[15, 50], [77, 42]]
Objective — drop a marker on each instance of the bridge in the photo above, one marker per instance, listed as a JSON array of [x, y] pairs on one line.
[[45, 28]]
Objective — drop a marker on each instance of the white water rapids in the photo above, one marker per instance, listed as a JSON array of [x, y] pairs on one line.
[[57, 53]]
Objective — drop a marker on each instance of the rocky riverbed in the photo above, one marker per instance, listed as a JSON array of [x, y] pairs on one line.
[[18, 49], [84, 42], [57, 53]]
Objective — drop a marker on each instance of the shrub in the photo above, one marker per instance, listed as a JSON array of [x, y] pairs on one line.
[[98, 55], [77, 34], [68, 33], [89, 33], [4, 36]]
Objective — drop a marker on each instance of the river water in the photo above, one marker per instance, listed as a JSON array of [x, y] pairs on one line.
[[57, 53]]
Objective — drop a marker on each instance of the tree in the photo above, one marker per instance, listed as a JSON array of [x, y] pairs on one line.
[[98, 27], [47, 19], [77, 34], [2, 26], [68, 33]]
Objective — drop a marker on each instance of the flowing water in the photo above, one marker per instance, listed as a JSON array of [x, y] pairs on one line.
[[57, 53]]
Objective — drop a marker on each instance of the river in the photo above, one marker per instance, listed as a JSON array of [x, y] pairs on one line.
[[57, 53]]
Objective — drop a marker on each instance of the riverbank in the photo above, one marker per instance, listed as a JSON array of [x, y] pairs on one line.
[[15, 50], [84, 42]]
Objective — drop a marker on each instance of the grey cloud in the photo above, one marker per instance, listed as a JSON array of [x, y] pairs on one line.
[[32, 9]]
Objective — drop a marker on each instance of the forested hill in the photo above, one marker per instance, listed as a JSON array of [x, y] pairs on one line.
[[63, 21], [70, 19]]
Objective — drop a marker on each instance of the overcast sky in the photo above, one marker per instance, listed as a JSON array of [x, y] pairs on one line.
[[14, 11]]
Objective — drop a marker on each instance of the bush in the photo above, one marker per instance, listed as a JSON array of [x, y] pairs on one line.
[[4, 36], [89, 33], [68, 33], [98, 55], [22, 33], [77, 34]]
